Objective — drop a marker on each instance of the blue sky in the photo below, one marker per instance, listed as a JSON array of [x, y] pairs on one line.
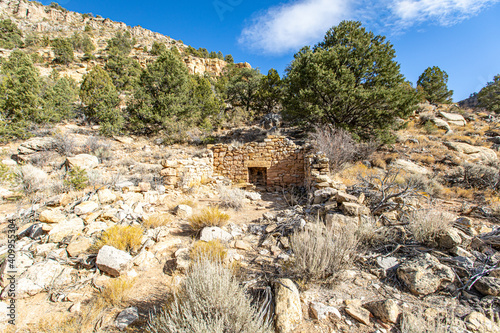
[[462, 37]]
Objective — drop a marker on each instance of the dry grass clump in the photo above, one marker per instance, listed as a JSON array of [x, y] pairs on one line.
[[231, 197], [116, 292], [213, 251], [209, 300], [157, 220], [427, 225], [208, 217], [31, 179], [122, 237], [351, 175], [322, 253], [337, 144]]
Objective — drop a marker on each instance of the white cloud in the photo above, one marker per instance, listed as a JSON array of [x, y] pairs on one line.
[[444, 12], [291, 26]]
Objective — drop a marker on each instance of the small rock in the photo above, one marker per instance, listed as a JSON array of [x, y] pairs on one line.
[[387, 263], [78, 246], [252, 196], [113, 261], [83, 161], [182, 259], [127, 317], [344, 197], [388, 311], [106, 196], [144, 186], [424, 274], [183, 211], [210, 233], [320, 311], [288, 310], [449, 239], [360, 314], [478, 322], [488, 285], [242, 245], [52, 216], [354, 209], [76, 307], [86, 207]]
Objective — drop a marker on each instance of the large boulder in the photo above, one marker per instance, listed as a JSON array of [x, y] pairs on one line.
[[288, 310], [409, 167], [211, 233], [52, 216], [113, 261], [37, 144], [83, 161], [424, 274], [43, 275], [86, 207], [387, 310], [440, 123], [453, 118], [66, 228], [473, 152]]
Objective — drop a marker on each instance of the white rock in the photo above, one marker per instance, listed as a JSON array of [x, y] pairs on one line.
[[253, 196], [106, 196], [453, 118], [127, 317], [86, 207], [210, 233], [61, 230], [409, 167], [113, 261], [83, 161], [183, 211], [320, 311]]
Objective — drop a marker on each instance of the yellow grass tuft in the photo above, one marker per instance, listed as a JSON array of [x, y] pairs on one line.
[[122, 237], [157, 220], [209, 217], [117, 290], [213, 251]]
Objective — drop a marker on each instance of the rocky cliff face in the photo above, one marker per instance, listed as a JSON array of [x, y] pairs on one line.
[[35, 18]]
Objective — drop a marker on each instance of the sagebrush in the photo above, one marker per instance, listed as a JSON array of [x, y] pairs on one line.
[[427, 225], [210, 300]]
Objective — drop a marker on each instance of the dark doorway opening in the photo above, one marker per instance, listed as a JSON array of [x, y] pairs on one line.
[[257, 176]]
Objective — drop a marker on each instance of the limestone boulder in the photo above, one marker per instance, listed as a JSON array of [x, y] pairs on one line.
[[488, 286], [440, 123], [288, 310], [78, 246], [52, 216], [183, 211], [106, 196], [37, 144], [62, 230], [83, 161], [321, 311], [113, 261], [409, 167], [354, 209], [478, 322], [86, 207], [424, 274], [387, 310], [453, 118], [360, 314], [473, 152], [211, 233]]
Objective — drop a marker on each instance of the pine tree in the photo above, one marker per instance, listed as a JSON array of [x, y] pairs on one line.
[[433, 84], [489, 96]]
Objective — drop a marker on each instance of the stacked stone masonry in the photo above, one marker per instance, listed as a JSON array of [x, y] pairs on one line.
[[279, 160], [187, 172]]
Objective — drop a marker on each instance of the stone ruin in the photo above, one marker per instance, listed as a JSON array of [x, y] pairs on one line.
[[275, 163]]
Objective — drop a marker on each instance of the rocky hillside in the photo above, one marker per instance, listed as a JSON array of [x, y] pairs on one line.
[[35, 19], [405, 240]]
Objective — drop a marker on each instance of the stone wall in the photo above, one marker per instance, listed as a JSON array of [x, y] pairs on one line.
[[280, 159], [187, 172]]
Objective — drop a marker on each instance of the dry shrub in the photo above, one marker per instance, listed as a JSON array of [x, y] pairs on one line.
[[322, 253], [231, 197], [122, 237], [65, 144], [379, 163], [429, 185], [210, 300], [337, 144], [351, 175], [418, 322], [208, 217], [116, 292], [213, 251], [427, 225], [31, 179], [477, 176], [157, 220]]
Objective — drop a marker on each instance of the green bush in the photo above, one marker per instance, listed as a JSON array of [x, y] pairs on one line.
[[122, 43], [101, 101], [158, 48], [10, 35], [63, 50], [433, 82], [489, 96], [76, 178]]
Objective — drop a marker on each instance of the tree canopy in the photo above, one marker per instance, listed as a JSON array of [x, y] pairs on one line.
[[351, 81], [489, 96], [433, 84]]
